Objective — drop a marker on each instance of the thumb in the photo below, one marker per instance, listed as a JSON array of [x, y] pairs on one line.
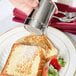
[[35, 3]]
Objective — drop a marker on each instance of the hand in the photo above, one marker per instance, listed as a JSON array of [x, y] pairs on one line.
[[25, 5]]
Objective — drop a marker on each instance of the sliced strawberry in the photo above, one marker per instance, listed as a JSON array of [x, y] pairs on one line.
[[45, 70], [55, 64]]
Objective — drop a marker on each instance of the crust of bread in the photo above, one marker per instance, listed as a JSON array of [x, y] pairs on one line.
[[5, 67], [35, 37], [42, 62], [5, 75]]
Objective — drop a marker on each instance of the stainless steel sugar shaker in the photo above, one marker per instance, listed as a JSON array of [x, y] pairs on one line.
[[39, 20]]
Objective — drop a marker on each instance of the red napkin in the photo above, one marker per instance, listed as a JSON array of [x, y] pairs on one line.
[[63, 26], [19, 15]]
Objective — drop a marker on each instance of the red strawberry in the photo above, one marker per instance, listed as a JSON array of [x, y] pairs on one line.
[[45, 69], [55, 64]]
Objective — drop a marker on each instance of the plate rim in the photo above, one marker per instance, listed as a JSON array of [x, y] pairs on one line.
[[48, 27]]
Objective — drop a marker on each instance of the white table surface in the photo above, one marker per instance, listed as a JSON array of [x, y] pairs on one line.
[[6, 15]]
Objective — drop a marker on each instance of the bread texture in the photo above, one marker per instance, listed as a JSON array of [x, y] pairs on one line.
[[43, 42], [25, 60]]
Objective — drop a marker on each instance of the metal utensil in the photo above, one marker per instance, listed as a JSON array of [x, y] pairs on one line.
[[68, 14], [40, 18], [65, 19]]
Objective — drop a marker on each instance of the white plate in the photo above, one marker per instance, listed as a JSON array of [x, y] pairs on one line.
[[61, 42]]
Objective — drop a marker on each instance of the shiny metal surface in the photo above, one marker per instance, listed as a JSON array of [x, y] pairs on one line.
[[65, 19], [41, 17], [68, 14]]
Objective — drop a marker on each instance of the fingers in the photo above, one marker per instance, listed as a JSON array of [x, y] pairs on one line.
[[35, 3], [56, 9]]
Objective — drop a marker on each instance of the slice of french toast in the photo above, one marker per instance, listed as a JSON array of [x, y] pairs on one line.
[[25, 61], [43, 42]]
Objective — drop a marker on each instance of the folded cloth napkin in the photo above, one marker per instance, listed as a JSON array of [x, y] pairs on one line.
[[19, 16], [70, 27]]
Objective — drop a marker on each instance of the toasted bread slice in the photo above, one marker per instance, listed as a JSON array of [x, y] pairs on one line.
[[25, 61], [41, 41]]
